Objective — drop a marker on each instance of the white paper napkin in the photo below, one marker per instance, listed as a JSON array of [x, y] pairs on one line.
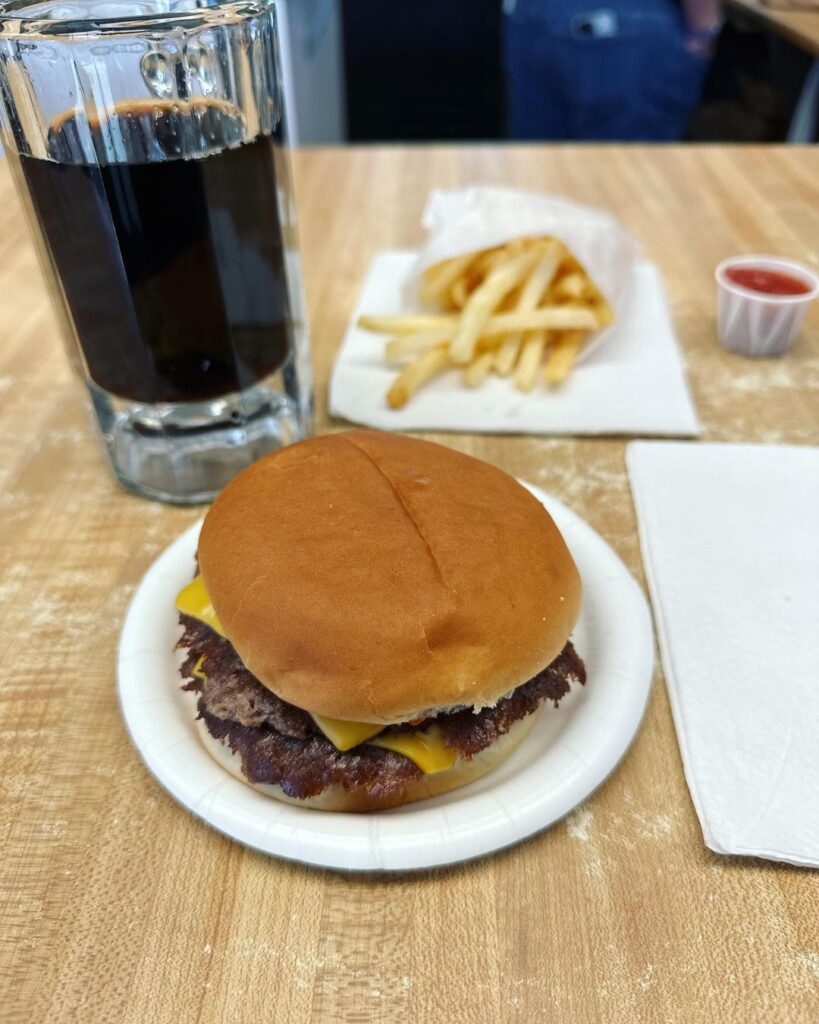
[[634, 384], [731, 550]]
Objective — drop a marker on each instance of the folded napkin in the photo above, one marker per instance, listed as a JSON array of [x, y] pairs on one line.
[[633, 384], [731, 550]]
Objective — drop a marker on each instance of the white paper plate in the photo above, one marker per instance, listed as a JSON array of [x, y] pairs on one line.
[[567, 755]]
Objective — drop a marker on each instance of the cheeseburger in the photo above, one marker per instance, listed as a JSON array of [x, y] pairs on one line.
[[375, 620]]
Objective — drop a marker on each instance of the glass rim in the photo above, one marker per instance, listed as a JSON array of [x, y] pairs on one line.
[[54, 18]]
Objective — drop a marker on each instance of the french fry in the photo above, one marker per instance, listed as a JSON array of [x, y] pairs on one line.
[[507, 354], [458, 293], [478, 369], [547, 318], [604, 312], [570, 288], [399, 349], [487, 260], [410, 324], [519, 245], [534, 288], [530, 295], [571, 265], [526, 306], [529, 362], [414, 344], [510, 303], [440, 277], [417, 373], [562, 355], [482, 302]]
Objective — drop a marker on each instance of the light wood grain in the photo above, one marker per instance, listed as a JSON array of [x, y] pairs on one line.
[[796, 24], [117, 905]]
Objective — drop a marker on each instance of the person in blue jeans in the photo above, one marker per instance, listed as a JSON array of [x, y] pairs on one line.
[[616, 70]]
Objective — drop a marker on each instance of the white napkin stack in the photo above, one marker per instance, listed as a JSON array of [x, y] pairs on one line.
[[632, 384], [730, 541]]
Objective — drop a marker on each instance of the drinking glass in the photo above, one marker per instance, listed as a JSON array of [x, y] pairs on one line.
[[147, 142]]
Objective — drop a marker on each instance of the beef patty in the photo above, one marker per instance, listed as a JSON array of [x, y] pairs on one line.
[[280, 744]]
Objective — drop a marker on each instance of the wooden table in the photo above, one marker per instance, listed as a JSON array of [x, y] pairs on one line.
[[117, 905], [797, 26]]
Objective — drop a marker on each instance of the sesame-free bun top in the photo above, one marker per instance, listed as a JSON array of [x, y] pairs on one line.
[[373, 577]]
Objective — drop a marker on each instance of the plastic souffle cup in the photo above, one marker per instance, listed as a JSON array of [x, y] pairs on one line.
[[759, 323]]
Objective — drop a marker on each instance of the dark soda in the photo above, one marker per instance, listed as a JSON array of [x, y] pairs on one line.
[[172, 268]]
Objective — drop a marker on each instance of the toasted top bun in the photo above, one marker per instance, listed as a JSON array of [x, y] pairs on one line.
[[373, 577]]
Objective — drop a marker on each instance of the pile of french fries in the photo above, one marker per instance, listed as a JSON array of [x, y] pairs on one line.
[[524, 308]]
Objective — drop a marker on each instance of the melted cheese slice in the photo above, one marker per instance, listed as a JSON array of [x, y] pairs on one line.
[[346, 735], [426, 749], [195, 601], [198, 670]]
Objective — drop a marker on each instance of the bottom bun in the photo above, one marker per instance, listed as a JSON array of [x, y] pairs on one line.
[[337, 798]]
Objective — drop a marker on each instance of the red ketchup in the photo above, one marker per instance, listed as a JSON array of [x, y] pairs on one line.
[[771, 282]]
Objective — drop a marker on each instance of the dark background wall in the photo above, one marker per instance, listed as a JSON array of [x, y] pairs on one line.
[[423, 69]]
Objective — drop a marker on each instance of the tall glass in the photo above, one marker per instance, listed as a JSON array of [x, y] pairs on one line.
[[146, 139]]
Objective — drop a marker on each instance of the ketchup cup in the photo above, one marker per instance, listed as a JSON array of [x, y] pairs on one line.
[[758, 322]]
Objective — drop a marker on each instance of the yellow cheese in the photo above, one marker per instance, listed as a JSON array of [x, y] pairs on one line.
[[426, 749], [198, 670], [346, 735], [194, 600]]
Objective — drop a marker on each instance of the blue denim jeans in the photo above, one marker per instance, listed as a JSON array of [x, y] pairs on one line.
[[611, 69]]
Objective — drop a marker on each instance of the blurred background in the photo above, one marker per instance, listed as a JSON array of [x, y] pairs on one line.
[[627, 70]]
